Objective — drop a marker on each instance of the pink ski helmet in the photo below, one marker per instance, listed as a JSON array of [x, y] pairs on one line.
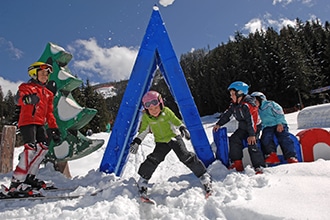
[[152, 98]]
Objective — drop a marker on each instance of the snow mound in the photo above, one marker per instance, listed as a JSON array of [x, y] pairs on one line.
[[314, 117]]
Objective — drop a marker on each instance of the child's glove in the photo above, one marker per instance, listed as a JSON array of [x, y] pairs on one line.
[[55, 134], [30, 99], [184, 132], [134, 146]]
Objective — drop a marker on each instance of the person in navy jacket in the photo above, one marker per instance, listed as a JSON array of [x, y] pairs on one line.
[[245, 111]]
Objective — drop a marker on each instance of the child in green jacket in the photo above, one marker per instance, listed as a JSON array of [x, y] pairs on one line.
[[163, 124]]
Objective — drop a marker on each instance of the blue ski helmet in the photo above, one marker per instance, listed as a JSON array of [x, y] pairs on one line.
[[240, 87]]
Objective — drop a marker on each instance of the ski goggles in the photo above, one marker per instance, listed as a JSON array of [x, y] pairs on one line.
[[47, 67], [154, 102]]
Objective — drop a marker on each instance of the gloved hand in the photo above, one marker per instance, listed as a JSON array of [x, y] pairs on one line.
[[184, 132], [55, 134], [30, 99], [134, 146]]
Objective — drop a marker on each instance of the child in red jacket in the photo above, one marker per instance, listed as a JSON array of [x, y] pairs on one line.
[[36, 103]]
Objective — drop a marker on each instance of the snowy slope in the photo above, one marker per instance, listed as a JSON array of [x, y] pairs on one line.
[[295, 191], [107, 91]]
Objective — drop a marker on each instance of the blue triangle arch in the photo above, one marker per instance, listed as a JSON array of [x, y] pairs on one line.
[[156, 50]]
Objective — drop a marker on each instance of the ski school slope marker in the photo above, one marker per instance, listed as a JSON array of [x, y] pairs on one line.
[[156, 50]]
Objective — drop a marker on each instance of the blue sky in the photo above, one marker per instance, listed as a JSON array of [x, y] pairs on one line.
[[104, 35]]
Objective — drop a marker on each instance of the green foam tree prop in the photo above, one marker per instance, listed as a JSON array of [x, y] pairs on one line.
[[70, 116]]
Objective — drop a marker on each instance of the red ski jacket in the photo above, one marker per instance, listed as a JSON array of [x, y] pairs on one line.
[[40, 113]]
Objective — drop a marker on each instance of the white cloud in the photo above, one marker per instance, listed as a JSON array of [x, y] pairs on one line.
[[111, 64], [284, 22], [308, 2], [12, 50], [166, 3], [253, 25], [287, 2], [262, 24], [8, 85]]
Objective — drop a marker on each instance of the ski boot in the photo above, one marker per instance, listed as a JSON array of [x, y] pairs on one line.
[[238, 165], [18, 190], [142, 185], [34, 182], [292, 160], [207, 183], [272, 159], [258, 170]]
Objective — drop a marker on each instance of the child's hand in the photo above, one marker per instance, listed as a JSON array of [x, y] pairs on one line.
[[134, 146], [216, 128], [251, 140], [279, 128], [30, 99], [184, 132], [56, 135]]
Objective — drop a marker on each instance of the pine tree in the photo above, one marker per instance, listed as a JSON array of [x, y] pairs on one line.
[[9, 108], [2, 109]]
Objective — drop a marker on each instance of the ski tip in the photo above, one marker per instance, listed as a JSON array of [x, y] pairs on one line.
[[147, 200], [4, 188], [50, 188], [208, 194]]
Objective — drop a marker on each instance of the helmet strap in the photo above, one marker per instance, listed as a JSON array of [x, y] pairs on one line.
[[239, 98]]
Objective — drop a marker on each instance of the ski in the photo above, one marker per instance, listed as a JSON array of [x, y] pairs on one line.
[[39, 197], [144, 198], [51, 187], [96, 192], [147, 200], [55, 189], [46, 188], [99, 190], [43, 197], [208, 194]]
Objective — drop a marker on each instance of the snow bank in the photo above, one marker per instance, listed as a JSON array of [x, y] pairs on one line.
[[314, 117]]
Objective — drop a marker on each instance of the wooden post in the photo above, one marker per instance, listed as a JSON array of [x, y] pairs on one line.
[[63, 167], [8, 140]]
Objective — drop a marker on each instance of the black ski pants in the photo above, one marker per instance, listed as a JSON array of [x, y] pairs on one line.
[[33, 134], [236, 149], [190, 159]]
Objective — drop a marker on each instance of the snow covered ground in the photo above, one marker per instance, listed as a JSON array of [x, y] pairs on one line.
[[294, 191]]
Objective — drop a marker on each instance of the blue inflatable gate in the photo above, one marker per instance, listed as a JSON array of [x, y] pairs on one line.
[[156, 51]]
